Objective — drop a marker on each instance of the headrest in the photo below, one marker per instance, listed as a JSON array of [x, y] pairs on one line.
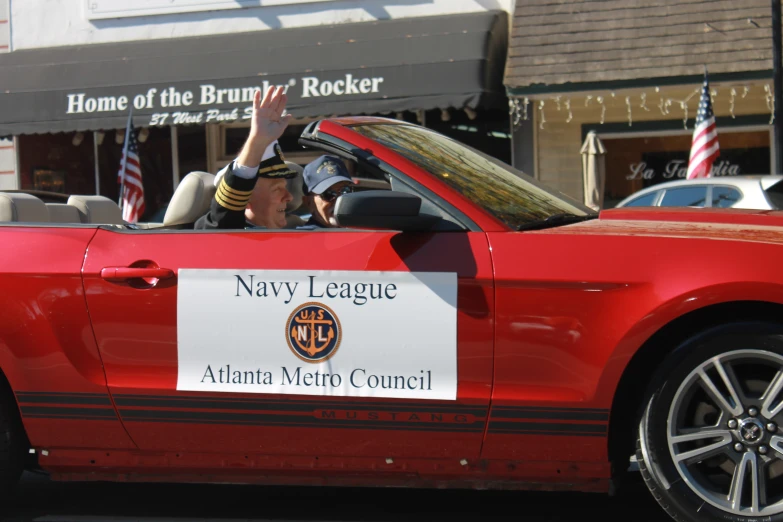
[[293, 221], [295, 187], [62, 213], [97, 209], [21, 207], [191, 199]]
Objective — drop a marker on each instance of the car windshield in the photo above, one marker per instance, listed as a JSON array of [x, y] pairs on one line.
[[510, 195]]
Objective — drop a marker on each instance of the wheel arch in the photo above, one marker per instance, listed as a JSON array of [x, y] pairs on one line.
[[10, 405], [627, 403]]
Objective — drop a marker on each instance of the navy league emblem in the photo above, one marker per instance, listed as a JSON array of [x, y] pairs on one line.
[[313, 332]]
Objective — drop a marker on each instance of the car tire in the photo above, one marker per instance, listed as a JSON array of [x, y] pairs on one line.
[[13, 448], [711, 434]]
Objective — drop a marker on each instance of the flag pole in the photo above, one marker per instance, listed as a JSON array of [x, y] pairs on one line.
[[125, 155]]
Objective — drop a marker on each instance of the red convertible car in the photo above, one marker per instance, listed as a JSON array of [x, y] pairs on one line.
[[465, 328]]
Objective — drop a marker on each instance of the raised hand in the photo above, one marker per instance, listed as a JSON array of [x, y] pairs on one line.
[[268, 121], [267, 124]]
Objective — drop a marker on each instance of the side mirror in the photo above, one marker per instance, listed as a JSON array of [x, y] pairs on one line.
[[384, 209]]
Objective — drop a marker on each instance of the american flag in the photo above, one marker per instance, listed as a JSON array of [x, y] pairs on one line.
[[704, 146], [133, 189]]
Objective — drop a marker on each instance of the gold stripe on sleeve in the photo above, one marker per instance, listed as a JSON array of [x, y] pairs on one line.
[[227, 203], [240, 194], [236, 200]]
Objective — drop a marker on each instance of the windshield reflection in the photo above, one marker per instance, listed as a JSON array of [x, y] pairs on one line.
[[508, 194]]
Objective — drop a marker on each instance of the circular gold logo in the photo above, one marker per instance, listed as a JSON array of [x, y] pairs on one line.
[[313, 332]]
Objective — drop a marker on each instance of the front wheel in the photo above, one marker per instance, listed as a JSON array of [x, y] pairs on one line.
[[710, 443]]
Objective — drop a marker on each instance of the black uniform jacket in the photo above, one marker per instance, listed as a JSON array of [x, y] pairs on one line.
[[227, 209]]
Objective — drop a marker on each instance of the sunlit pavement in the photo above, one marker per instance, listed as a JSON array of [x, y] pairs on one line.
[[42, 500]]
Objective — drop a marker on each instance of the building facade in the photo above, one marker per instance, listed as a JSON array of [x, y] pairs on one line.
[[185, 71], [8, 174], [632, 72]]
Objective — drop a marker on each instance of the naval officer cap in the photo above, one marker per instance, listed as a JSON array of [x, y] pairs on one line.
[[273, 165]]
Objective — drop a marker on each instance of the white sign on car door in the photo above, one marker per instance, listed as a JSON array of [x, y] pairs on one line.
[[334, 333]]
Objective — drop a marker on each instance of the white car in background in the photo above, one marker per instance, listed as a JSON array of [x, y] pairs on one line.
[[757, 192]]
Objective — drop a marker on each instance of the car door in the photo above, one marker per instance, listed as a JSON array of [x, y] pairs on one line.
[[326, 342], [47, 354]]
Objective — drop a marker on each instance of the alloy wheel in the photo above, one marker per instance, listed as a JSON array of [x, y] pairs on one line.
[[723, 432]]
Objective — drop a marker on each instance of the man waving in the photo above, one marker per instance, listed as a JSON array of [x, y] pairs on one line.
[[251, 190]]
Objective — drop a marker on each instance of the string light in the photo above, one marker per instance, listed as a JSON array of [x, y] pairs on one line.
[[513, 110], [600, 100], [644, 102], [684, 107], [518, 108], [770, 99], [733, 94]]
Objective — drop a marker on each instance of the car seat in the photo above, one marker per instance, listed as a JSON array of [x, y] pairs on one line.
[[191, 199], [97, 210], [63, 213], [20, 207]]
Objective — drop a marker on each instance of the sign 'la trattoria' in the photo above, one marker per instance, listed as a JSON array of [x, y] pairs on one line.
[[176, 106]]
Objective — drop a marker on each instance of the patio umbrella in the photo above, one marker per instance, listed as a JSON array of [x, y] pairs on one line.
[[593, 171]]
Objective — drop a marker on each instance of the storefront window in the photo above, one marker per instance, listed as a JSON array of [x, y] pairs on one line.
[[65, 163], [62, 162], [156, 169], [636, 162], [191, 149]]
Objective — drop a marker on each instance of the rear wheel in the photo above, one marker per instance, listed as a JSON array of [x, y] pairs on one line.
[[710, 441], [13, 447]]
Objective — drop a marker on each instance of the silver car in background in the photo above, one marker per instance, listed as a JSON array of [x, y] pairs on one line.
[[763, 192]]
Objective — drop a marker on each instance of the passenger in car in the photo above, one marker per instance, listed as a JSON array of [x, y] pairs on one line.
[[325, 179], [251, 190]]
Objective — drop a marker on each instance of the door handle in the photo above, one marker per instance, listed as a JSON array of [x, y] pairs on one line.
[[121, 273]]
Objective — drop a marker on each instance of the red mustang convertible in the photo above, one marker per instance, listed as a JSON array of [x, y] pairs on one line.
[[465, 327]]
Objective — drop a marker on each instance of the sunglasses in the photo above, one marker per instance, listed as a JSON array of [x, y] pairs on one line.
[[331, 195]]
